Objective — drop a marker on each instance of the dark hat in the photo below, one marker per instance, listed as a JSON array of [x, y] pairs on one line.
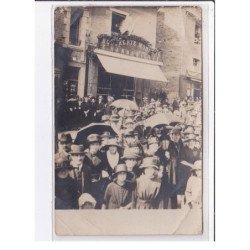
[[66, 138], [150, 162], [176, 130], [62, 163], [93, 138], [77, 149], [120, 168]]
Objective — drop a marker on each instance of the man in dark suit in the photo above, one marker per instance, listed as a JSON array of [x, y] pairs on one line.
[[99, 108], [92, 109], [85, 111]]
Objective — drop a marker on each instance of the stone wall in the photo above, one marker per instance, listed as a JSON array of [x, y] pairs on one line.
[[175, 36], [61, 25]]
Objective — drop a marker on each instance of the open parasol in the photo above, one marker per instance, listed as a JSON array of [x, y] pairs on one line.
[[93, 128], [161, 119], [125, 104]]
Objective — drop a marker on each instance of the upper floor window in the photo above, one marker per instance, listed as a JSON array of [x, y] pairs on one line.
[[117, 20], [197, 33], [196, 62], [76, 14]]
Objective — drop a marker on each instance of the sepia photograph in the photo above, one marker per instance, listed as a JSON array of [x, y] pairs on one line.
[[128, 120]]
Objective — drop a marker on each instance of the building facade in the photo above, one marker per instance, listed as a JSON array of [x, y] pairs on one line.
[[179, 37], [106, 51]]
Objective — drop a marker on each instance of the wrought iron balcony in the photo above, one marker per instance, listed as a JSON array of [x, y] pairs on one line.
[[130, 45]]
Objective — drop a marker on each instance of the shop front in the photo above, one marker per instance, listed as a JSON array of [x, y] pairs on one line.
[[124, 72], [190, 85]]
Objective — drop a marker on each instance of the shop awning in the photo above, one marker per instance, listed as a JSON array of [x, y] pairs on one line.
[[194, 76], [129, 67]]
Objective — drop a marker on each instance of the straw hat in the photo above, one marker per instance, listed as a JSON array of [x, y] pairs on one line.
[[86, 197], [150, 162], [130, 154], [113, 142], [120, 168], [197, 165]]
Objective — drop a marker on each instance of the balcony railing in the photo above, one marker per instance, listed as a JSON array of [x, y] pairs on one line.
[[130, 45]]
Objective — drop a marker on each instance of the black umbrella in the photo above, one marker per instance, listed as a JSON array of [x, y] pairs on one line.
[[93, 128]]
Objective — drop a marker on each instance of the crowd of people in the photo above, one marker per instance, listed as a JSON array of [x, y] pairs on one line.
[[137, 167]]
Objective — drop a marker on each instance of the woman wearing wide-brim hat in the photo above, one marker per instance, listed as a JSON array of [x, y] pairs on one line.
[[148, 185], [111, 155], [132, 160], [119, 193]]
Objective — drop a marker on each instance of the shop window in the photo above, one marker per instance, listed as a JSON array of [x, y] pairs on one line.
[[116, 85], [76, 14], [117, 20]]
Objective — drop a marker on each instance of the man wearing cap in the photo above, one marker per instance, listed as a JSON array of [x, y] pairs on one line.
[[64, 145], [95, 176], [111, 155], [66, 190], [77, 156]]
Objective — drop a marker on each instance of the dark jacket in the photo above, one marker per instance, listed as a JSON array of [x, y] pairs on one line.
[[94, 184], [66, 192]]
